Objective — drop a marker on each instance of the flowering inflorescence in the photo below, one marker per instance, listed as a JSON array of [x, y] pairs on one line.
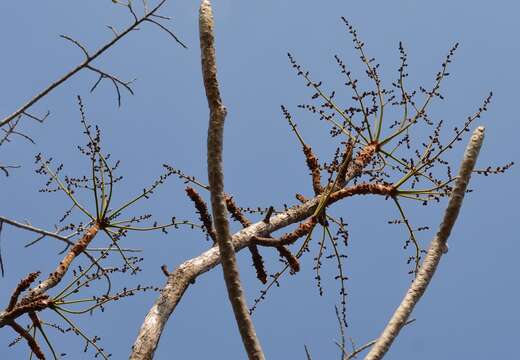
[[105, 218], [394, 163]]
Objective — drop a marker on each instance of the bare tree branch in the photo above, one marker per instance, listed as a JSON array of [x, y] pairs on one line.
[[435, 252], [84, 64], [36, 230], [216, 184]]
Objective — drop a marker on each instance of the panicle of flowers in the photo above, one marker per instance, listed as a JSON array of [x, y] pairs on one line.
[[377, 153]]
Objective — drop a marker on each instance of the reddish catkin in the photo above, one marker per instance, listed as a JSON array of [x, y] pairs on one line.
[[22, 286], [302, 230], [346, 159], [37, 303], [235, 212], [35, 348], [258, 261], [301, 198], [362, 159], [291, 259], [289, 238], [314, 167], [202, 209]]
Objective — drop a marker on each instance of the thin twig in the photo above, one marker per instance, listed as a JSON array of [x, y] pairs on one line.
[[36, 230], [307, 353], [82, 65], [115, 81]]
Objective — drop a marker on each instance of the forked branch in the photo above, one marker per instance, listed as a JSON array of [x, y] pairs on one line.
[[89, 58]]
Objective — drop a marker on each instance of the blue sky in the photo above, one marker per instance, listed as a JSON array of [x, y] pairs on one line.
[[470, 309]]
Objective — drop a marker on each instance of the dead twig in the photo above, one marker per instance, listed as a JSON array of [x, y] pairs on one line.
[[89, 58]]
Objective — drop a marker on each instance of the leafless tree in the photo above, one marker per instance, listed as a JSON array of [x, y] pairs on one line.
[[366, 162]]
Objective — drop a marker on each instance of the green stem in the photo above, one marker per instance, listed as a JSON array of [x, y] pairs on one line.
[[61, 295], [78, 331], [120, 250], [339, 111], [94, 186], [54, 355], [412, 235], [111, 185], [67, 192]]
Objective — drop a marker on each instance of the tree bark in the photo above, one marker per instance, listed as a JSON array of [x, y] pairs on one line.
[[437, 248]]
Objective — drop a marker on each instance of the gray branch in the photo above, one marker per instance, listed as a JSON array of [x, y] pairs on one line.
[[36, 230], [435, 252], [216, 184], [88, 59]]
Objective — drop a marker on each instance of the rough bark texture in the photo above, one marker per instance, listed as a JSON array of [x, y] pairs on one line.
[[216, 184], [63, 266], [179, 279], [435, 252]]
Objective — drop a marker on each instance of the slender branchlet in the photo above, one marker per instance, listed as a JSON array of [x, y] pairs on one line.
[[148, 16]]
